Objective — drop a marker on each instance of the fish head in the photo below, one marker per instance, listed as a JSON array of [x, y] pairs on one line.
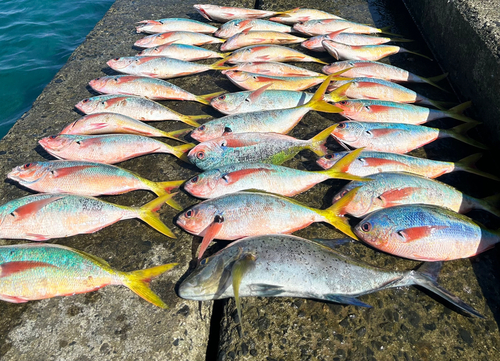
[[147, 26], [302, 28], [209, 131], [120, 63], [99, 83], [30, 172], [88, 105], [204, 10], [338, 66], [205, 154], [348, 131], [229, 29], [148, 41], [196, 219], [378, 230], [329, 160], [228, 103], [203, 184], [349, 106], [313, 43], [56, 144]]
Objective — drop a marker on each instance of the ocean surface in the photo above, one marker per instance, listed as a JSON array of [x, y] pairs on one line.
[[36, 38]]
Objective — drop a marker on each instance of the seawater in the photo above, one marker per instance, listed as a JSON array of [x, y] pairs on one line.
[[36, 39]]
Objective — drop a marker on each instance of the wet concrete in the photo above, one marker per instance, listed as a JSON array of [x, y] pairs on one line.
[[115, 324]]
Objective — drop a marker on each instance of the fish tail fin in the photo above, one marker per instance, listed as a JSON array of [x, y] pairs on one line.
[[402, 40], [148, 214], [441, 105], [319, 60], [224, 55], [162, 188], [339, 169], [317, 103], [205, 99], [138, 282], [457, 113], [192, 119], [468, 164], [335, 213], [219, 64], [491, 204], [459, 131], [426, 277], [181, 150], [384, 31], [177, 134], [416, 53], [433, 80], [317, 143], [338, 94]]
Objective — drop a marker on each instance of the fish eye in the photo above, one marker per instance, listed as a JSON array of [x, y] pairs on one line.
[[26, 166], [222, 97], [329, 156], [194, 179], [344, 192], [366, 227], [86, 101], [341, 125], [200, 155], [343, 102], [227, 130], [203, 262], [189, 213], [53, 137], [201, 128], [116, 59]]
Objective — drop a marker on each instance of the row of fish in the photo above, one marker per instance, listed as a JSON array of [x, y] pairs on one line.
[[238, 153]]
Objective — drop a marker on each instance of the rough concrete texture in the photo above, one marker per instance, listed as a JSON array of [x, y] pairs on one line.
[[406, 323], [112, 323], [466, 42]]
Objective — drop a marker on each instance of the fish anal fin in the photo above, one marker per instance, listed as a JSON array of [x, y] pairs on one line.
[[345, 300]]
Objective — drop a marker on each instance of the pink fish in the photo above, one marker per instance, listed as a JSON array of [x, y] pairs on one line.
[[177, 37], [251, 37], [173, 24], [226, 13], [300, 15]]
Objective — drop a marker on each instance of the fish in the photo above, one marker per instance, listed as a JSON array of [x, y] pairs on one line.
[[106, 123], [263, 177], [274, 68], [250, 37], [40, 217], [149, 88], [265, 121], [389, 189], [40, 271], [244, 214], [397, 137], [300, 15], [236, 26], [159, 66], [315, 43], [135, 107], [223, 14], [370, 162], [108, 148], [373, 69], [86, 179], [254, 147], [383, 111], [425, 233], [301, 268], [174, 24], [277, 53], [182, 52], [364, 52], [176, 37], [373, 88], [327, 26]]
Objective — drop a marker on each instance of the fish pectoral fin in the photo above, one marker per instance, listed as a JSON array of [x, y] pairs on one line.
[[266, 290], [346, 300], [210, 234], [10, 268], [33, 207], [240, 267]]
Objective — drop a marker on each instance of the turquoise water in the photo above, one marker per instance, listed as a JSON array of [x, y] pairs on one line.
[[36, 39]]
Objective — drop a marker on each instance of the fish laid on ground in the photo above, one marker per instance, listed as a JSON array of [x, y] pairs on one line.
[[176, 37], [342, 51], [251, 37], [265, 121], [108, 148], [396, 188], [373, 88], [373, 69], [236, 26], [274, 68], [39, 271], [174, 24], [182, 52], [269, 53], [263, 177], [397, 137], [243, 214], [86, 179], [254, 147], [327, 26], [223, 14], [383, 111], [107, 123], [150, 88], [159, 66], [315, 43], [45, 216], [301, 268], [300, 15], [135, 107], [425, 233], [370, 162]]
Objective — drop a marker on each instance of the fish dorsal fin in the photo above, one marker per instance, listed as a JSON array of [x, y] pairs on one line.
[[96, 259], [241, 267]]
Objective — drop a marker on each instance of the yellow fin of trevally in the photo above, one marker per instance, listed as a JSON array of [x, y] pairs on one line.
[[318, 104], [205, 99], [317, 143], [138, 281], [339, 169], [240, 267], [148, 214], [334, 214]]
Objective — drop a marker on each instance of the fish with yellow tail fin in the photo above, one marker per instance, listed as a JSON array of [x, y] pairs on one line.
[[179, 37], [45, 216], [182, 52], [268, 53], [300, 270], [39, 271], [327, 26], [223, 14], [244, 214], [300, 15], [266, 121]]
